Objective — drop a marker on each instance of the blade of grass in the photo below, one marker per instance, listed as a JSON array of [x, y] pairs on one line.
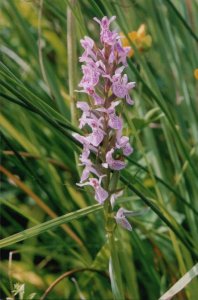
[[49, 225], [181, 18], [161, 216], [181, 283], [40, 203]]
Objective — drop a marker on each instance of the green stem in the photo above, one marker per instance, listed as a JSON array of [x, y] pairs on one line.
[[114, 268], [114, 264]]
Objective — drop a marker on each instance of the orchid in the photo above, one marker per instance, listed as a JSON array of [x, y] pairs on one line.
[[106, 85]]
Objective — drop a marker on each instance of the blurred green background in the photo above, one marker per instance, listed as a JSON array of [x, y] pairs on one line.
[[39, 71]]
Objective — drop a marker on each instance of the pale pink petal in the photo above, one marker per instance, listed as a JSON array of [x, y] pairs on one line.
[[85, 174], [127, 150], [97, 20], [98, 100], [124, 223], [101, 195], [115, 122], [96, 137], [114, 197], [113, 163], [119, 90], [83, 106], [131, 85], [122, 220], [117, 165], [129, 100], [119, 70]]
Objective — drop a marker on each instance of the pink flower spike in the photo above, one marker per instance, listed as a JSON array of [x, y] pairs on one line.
[[104, 82], [122, 220], [113, 163]]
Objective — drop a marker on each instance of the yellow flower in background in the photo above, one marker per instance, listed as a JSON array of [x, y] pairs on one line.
[[141, 40], [196, 73]]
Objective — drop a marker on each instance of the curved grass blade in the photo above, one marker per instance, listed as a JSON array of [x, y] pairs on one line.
[[33, 109], [162, 217], [40, 203], [179, 197], [49, 225], [181, 283], [50, 120], [172, 6]]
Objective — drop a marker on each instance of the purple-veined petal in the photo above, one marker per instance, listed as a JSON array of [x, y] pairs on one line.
[[119, 90]]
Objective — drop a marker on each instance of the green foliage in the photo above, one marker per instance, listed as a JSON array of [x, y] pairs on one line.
[[50, 226]]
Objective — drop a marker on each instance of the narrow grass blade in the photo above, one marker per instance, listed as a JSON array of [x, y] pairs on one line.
[[49, 225], [181, 283]]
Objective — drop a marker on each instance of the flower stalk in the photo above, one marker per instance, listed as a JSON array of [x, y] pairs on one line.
[[106, 86]]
